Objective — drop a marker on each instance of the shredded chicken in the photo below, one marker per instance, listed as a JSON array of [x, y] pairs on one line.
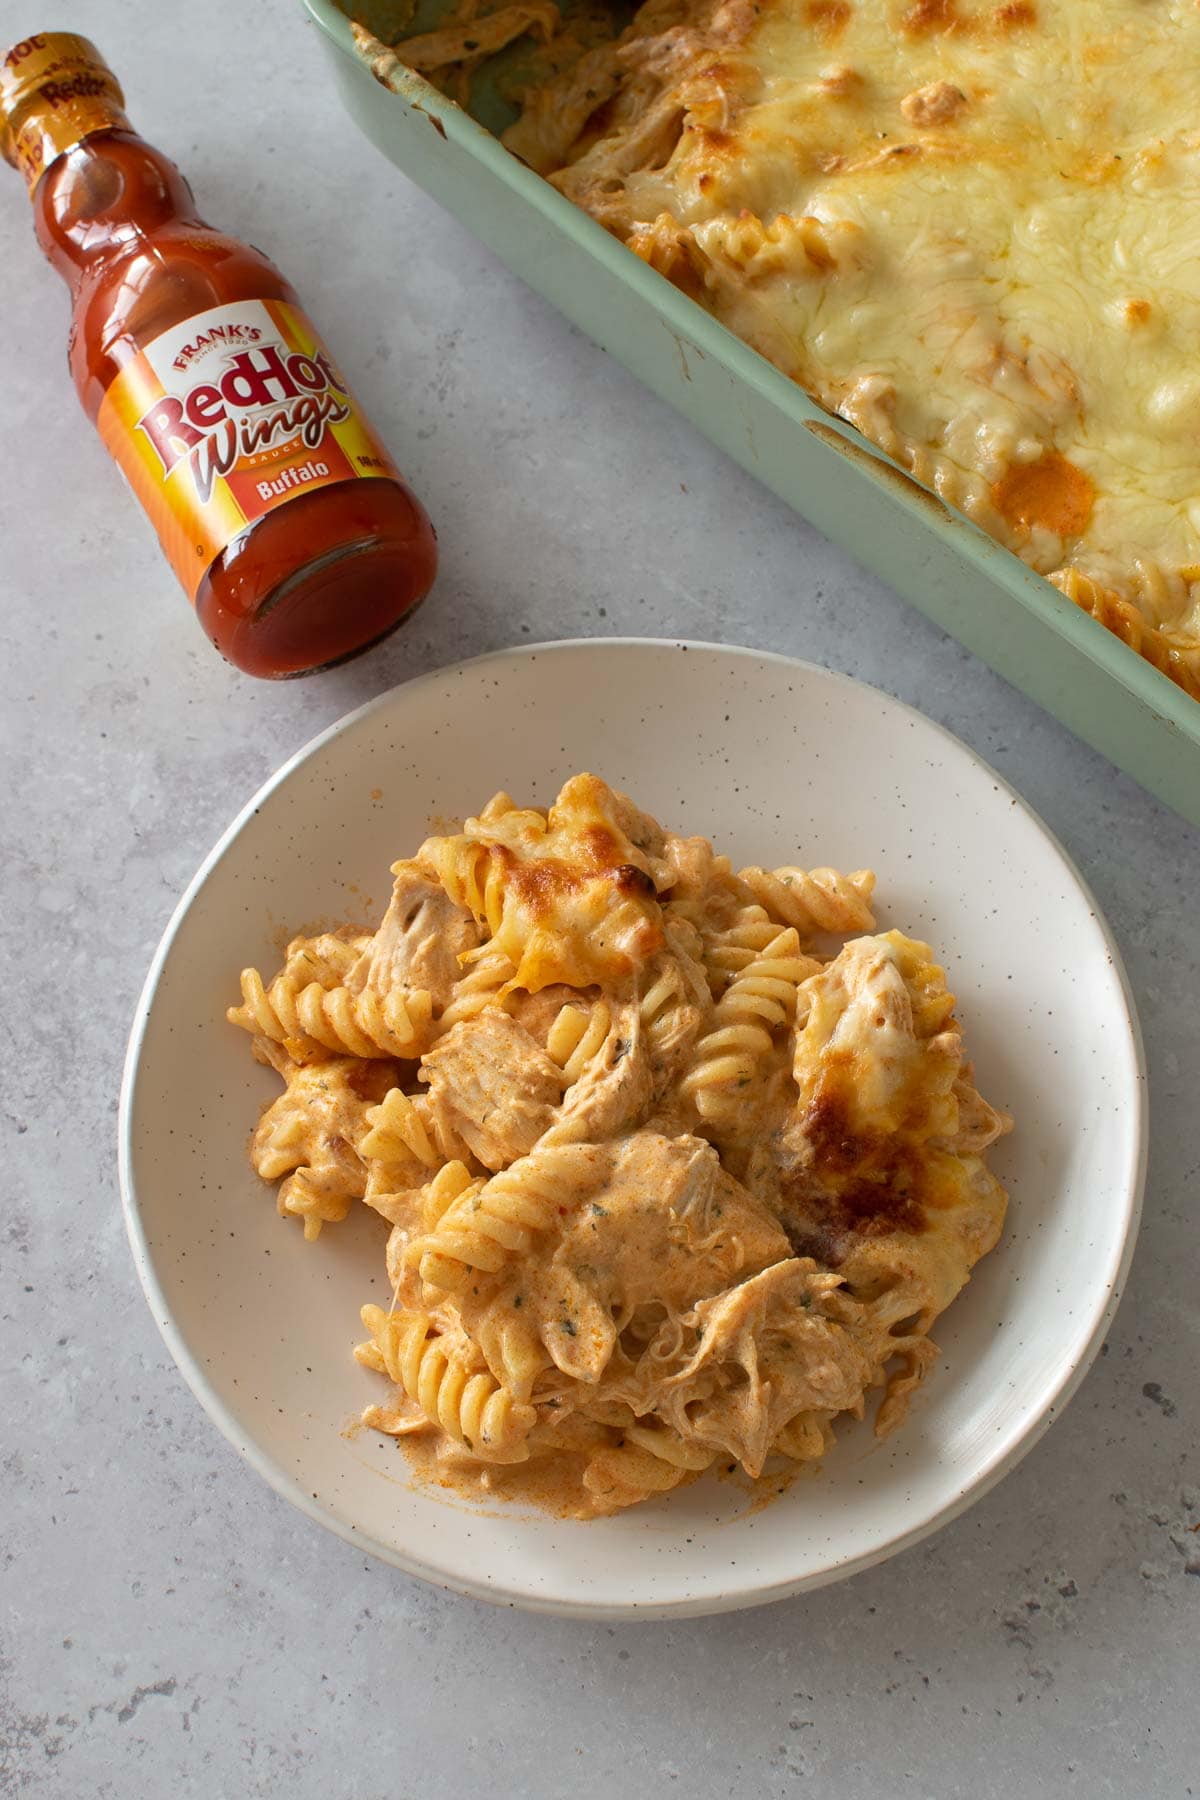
[[613, 1090], [492, 1088], [421, 942]]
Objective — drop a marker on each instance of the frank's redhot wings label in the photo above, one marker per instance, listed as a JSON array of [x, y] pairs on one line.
[[222, 418]]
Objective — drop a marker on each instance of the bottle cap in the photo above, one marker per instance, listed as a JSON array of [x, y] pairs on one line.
[[55, 88]]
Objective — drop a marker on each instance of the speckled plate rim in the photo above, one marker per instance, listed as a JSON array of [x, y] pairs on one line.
[[1008, 1453]]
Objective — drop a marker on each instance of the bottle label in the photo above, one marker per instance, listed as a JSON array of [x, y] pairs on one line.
[[226, 416]]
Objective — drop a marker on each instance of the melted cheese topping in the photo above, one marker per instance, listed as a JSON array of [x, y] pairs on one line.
[[973, 231], [567, 896], [868, 1065]]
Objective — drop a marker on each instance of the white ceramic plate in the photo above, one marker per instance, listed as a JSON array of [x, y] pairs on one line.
[[777, 761]]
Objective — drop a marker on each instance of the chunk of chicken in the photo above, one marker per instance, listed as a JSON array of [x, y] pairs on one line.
[[420, 942], [764, 1352], [702, 886], [676, 1003], [877, 1173], [614, 1089], [879, 1051], [644, 833], [491, 1088], [691, 862], [876, 1071]]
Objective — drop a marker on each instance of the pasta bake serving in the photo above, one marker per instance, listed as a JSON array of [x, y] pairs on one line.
[[678, 1162], [964, 226]]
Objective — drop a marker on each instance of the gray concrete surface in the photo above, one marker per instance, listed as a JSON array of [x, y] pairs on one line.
[[170, 1627]]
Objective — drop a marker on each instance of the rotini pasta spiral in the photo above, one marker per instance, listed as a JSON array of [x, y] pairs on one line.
[[649, 1461], [280, 1144], [658, 1002], [669, 1447], [512, 1348], [729, 950], [473, 875], [1175, 654], [493, 1222], [482, 985], [450, 1183], [760, 1000], [316, 1197], [576, 1037], [468, 1403], [308, 1134], [815, 899], [453, 1182], [805, 1438], [314, 1020], [399, 1129], [771, 247], [327, 958]]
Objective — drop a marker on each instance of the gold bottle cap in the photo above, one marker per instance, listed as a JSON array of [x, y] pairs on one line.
[[55, 88]]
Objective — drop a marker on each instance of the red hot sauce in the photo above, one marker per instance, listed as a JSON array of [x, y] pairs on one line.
[[278, 507]]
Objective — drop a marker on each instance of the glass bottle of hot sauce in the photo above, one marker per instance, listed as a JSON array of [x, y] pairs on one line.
[[280, 510]]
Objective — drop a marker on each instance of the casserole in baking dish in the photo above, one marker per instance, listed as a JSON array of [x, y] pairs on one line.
[[670, 338]]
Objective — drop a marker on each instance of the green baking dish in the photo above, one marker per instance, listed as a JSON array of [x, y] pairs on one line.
[[952, 571]]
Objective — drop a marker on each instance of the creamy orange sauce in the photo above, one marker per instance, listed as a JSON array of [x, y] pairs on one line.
[[1050, 492], [553, 1484], [550, 1484]]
